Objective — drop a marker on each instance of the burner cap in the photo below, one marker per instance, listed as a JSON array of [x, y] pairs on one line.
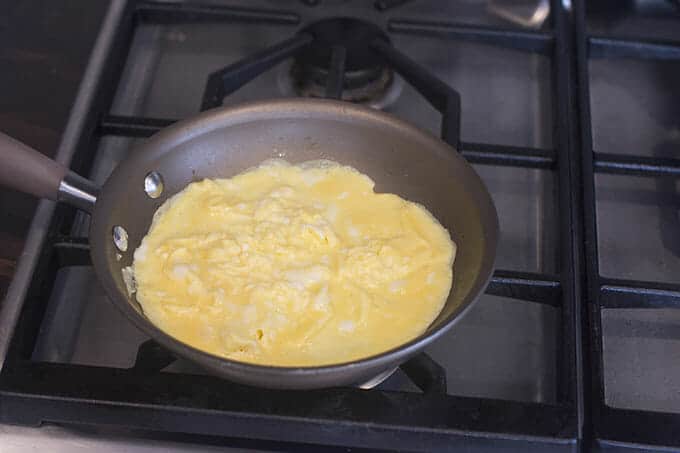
[[352, 34], [366, 78]]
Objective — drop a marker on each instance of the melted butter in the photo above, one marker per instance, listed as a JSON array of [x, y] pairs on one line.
[[289, 265]]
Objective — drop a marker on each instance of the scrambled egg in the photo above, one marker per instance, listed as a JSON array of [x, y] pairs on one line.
[[293, 265]]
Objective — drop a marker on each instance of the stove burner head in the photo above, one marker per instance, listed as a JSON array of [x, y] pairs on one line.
[[367, 80], [352, 34]]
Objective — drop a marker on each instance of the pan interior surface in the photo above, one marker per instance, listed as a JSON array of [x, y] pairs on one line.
[[221, 143]]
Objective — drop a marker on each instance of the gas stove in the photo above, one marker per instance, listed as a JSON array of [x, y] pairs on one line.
[[572, 124]]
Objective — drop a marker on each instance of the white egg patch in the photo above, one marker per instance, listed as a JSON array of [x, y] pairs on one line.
[[346, 326]]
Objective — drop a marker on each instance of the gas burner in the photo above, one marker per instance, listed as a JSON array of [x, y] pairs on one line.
[[378, 93], [365, 78]]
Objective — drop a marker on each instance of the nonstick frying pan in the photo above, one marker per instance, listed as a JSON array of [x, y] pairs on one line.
[[399, 157]]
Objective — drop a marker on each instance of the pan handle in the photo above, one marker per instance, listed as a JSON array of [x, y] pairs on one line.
[[27, 170]]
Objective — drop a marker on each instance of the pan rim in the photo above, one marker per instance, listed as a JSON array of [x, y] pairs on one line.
[[207, 121]]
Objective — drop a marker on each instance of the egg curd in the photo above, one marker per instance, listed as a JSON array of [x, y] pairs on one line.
[[293, 265]]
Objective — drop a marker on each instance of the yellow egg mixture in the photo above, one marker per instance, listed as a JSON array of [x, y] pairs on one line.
[[293, 265]]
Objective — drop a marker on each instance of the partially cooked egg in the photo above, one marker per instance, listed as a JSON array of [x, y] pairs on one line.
[[293, 265]]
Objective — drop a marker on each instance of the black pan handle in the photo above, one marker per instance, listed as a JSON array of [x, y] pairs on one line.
[[27, 170]]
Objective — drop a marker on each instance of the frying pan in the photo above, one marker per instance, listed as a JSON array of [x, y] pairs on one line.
[[223, 142]]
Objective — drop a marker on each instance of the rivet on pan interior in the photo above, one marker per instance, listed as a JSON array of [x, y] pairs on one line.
[[153, 184], [120, 238]]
